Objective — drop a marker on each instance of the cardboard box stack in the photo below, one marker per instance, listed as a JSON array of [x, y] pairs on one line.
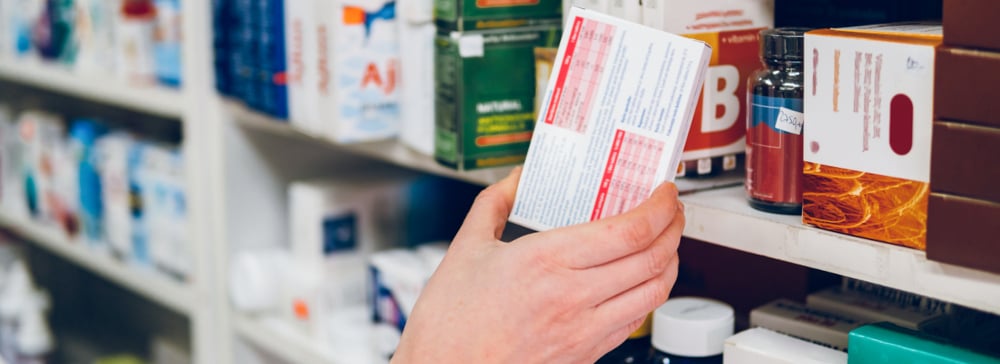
[[485, 78], [964, 204]]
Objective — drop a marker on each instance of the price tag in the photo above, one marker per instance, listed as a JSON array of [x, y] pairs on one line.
[[790, 121]]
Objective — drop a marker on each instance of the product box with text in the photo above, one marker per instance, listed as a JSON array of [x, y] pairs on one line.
[[867, 139], [466, 15], [613, 121], [732, 28], [485, 95]]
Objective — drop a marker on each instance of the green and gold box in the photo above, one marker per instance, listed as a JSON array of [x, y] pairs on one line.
[[467, 15]]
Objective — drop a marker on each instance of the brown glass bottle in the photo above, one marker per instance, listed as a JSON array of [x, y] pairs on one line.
[[774, 124]]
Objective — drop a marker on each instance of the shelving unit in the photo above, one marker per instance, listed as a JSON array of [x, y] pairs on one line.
[[152, 285], [282, 340], [724, 218], [154, 100]]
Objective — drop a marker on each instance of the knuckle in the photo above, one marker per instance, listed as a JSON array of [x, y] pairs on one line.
[[637, 233], [657, 292], [659, 259]]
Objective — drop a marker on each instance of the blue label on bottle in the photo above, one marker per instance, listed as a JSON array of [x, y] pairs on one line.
[[765, 109]]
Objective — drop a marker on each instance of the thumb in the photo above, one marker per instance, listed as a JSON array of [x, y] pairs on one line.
[[488, 215]]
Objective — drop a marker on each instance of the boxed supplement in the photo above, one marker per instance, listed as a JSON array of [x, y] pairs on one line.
[[963, 231], [732, 28], [300, 57], [868, 101], [269, 61], [614, 119], [822, 327], [485, 95], [41, 134], [112, 153], [965, 86], [358, 69], [416, 68], [903, 299], [963, 160], [763, 346], [871, 309], [466, 15], [971, 23], [630, 10], [887, 343]]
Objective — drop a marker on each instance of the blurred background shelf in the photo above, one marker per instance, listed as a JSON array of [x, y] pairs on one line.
[[155, 286], [154, 100], [723, 217], [278, 338]]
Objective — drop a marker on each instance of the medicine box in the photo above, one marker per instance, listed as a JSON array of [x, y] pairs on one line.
[[763, 346], [872, 309], [358, 75], [963, 160], [485, 95], [466, 15], [868, 101], [826, 328], [963, 231], [732, 28], [887, 343], [613, 123], [965, 86], [971, 23]]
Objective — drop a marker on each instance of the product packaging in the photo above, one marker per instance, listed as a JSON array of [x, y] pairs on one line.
[[19, 18], [82, 138], [135, 36], [12, 167], [963, 160], [41, 135], [466, 15], [871, 309], [963, 231], [95, 36], [269, 61], [731, 28], [242, 40], [397, 278], [112, 161], [164, 208], [868, 99], [965, 86], [887, 343], [167, 42], [416, 68], [601, 6], [616, 114], [818, 326], [485, 95], [846, 13], [971, 23], [301, 40], [763, 346], [359, 69]]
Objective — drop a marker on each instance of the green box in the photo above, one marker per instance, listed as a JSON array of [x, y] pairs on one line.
[[890, 344], [485, 95], [467, 15]]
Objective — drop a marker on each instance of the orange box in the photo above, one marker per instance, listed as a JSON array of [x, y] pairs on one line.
[[867, 136]]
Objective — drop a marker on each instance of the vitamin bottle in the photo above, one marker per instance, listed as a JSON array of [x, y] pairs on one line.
[[632, 351], [774, 124], [690, 330]]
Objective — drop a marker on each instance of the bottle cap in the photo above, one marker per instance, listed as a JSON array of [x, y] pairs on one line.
[[692, 327], [782, 43]]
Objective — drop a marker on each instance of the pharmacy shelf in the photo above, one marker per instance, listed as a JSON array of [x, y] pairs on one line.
[[394, 152], [280, 339], [723, 217], [155, 286], [154, 100]]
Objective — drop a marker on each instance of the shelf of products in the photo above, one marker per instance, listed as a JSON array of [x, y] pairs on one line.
[[278, 338], [724, 218], [155, 100], [155, 286]]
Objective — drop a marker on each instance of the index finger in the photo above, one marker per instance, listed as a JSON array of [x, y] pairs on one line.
[[602, 241]]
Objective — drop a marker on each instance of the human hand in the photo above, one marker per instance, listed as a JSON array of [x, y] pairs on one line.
[[566, 295]]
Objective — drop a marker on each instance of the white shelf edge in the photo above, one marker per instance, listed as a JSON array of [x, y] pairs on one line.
[[156, 100], [722, 217], [391, 150], [155, 286], [276, 337]]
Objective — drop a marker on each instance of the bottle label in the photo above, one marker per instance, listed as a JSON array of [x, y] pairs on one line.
[[774, 150], [782, 115]]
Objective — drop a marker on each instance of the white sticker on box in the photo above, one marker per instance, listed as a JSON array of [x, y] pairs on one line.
[[790, 121], [470, 46]]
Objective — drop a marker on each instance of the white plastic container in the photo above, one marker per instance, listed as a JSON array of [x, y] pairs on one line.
[[763, 346]]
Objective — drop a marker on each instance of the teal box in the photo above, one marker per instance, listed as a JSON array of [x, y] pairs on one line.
[[890, 344]]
